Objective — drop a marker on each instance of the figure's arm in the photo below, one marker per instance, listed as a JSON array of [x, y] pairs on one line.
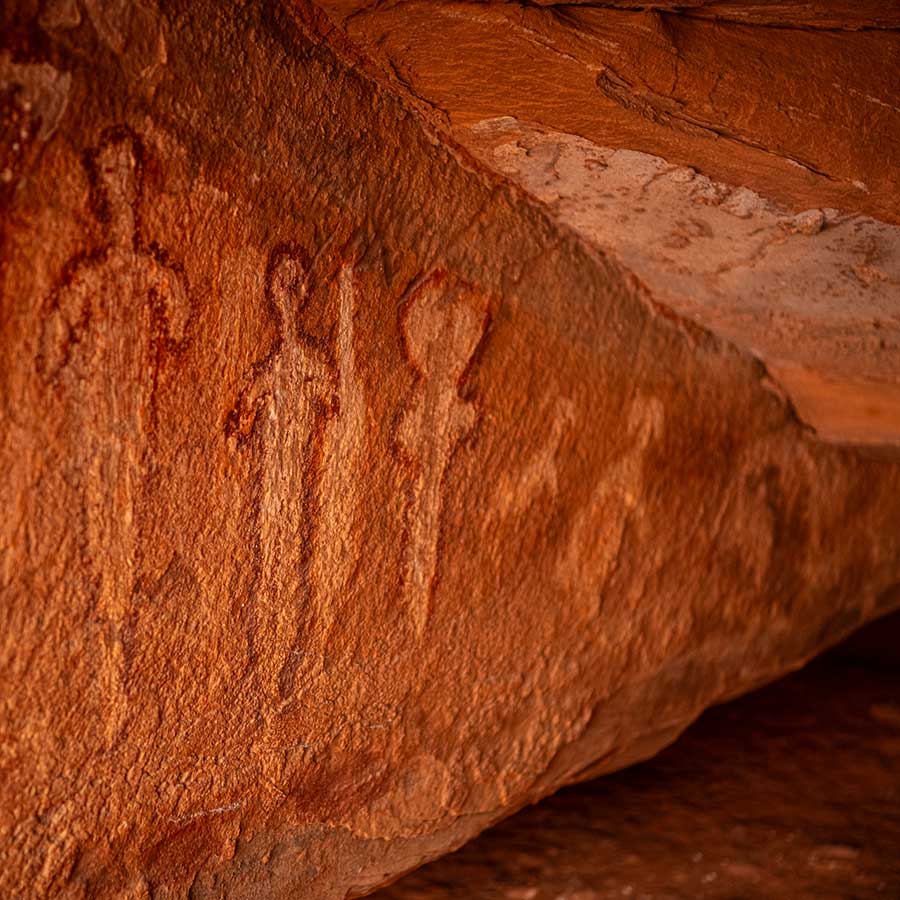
[[318, 380], [64, 323], [171, 303], [411, 424], [317, 371], [462, 419], [251, 399]]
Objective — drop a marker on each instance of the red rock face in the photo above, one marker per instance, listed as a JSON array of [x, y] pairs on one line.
[[797, 101], [355, 498], [812, 294], [788, 793]]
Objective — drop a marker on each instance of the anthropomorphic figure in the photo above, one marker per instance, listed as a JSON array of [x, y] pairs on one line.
[[442, 325], [107, 329], [591, 555], [291, 398]]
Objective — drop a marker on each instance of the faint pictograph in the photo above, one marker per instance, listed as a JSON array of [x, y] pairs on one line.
[[108, 327], [443, 323], [337, 544], [598, 530], [303, 407]]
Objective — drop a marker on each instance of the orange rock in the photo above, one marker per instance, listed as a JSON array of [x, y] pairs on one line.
[[733, 809], [356, 496]]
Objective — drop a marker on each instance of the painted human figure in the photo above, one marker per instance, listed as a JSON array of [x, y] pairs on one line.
[[290, 399], [591, 555], [106, 331], [442, 326]]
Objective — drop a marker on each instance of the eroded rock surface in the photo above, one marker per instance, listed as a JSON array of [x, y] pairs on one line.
[[353, 498], [789, 793], [813, 294], [797, 101]]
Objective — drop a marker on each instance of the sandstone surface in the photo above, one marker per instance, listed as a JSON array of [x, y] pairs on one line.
[[790, 792], [356, 494]]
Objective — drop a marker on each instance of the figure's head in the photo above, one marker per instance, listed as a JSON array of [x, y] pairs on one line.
[[443, 324], [114, 168], [286, 284]]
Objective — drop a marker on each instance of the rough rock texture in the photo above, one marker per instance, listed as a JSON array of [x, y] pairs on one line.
[[812, 294], [353, 497], [799, 101], [789, 793], [651, 132]]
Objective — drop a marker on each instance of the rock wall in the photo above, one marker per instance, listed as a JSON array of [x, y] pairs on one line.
[[352, 500]]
